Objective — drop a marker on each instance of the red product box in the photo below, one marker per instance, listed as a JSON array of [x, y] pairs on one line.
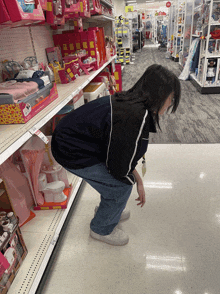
[[4, 16], [77, 38], [62, 40], [84, 8], [55, 15], [78, 25], [72, 9], [84, 41], [118, 78], [20, 113], [95, 7], [20, 17]]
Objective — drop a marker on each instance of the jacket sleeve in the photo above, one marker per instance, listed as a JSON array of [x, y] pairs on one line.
[[123, 147]]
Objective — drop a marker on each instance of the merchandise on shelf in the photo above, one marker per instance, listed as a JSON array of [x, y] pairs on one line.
[[93, 91], [84, 8], [4, 16], [55, 14], [48, 180], [43, 4], [95, 7], [72, 7], [22, 13], [12, 249], [15, 197]]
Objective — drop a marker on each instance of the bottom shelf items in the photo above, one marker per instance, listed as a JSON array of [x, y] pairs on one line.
[[207, 89], [40, 236]]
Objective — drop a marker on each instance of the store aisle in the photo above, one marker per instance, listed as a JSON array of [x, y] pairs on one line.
[[197, 119], [174, 238]]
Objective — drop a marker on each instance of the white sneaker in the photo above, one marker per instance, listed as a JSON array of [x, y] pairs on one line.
[[117, 237], [125, 213]]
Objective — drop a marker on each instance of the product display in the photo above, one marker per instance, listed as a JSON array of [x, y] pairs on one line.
[[23, 13], [55, 75]]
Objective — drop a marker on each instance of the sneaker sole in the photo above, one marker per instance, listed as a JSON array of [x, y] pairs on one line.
[[105, 240]]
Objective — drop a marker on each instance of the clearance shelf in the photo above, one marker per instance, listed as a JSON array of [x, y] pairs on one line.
[[41, 233], [12, 137]]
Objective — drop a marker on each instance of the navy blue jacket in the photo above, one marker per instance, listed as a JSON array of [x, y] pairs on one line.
[[104, 130]]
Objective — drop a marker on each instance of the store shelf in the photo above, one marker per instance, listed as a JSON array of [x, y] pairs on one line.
[[107, 3], [101, 17], [40, 236], [14, 136]]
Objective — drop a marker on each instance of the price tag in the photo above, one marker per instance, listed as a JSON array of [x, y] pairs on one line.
[[37, 132]]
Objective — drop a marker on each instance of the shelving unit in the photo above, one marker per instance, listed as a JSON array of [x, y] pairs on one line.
[[186, 32], [41, 235], [14, 136], [206, 77]]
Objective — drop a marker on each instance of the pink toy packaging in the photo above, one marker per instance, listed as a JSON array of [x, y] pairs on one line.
[[24, 14], [71, 8], [95, 7], [20, 113], [4, 15], [43, 4], [55, 14], [48, 180]]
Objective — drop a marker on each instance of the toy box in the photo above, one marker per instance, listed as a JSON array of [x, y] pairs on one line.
[[48, 180], [43, 4], [95, 7], [12, 250], [84, 8], [24, 14], [4, 16], [54, 54], [55, 14], [71, 8], [20, 113]]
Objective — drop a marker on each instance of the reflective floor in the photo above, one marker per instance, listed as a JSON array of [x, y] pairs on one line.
[[174, 245]]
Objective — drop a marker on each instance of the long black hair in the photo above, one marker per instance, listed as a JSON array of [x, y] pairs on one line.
[[152, 89]]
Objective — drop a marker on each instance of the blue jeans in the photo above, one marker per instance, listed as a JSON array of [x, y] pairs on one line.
[[114, 197]]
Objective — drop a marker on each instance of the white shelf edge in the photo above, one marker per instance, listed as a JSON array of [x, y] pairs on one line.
[[102, 17], [15, 146], [51, 247]]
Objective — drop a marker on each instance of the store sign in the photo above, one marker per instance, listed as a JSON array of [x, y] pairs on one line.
[[168, 4], [129, 9]]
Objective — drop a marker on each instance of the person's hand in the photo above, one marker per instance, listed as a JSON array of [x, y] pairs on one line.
[[141, 193]]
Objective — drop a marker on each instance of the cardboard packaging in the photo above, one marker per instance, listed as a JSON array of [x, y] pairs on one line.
[[22, 15], [20, 113]]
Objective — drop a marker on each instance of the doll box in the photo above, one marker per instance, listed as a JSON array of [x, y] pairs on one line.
[[12, 251], [20, 113], [17, 13]]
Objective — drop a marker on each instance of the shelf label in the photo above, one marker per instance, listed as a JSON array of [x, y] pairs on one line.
[[38, 133]]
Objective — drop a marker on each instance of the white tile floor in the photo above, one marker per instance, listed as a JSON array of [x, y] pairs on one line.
[[174, 245]]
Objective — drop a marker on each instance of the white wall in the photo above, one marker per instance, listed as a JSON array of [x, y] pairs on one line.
[[119, 7]]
